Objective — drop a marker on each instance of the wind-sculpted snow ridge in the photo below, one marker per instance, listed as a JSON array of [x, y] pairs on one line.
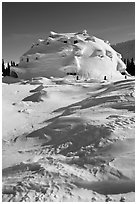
[[68, 142], [61, 54]]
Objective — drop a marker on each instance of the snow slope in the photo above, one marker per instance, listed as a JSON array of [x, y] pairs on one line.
[[66, 140], [65, 53]]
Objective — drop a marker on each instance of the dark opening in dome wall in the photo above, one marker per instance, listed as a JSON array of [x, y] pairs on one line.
[[14, 74]]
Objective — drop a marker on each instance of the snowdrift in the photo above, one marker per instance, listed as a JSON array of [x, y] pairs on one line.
[[63, 54], [74, 142]]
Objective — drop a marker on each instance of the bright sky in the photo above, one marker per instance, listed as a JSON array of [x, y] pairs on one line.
[[23, 23]]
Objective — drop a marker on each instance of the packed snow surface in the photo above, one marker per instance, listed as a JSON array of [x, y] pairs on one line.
[[71, 53], [68, 140]]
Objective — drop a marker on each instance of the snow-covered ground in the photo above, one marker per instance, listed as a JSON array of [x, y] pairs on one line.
[[68, 140]]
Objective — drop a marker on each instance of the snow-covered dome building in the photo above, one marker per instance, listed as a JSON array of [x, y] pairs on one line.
[[70, 53]]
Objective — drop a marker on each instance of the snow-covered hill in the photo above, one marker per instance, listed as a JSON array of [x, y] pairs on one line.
[[70, 53], [127, 49], [68, 141]]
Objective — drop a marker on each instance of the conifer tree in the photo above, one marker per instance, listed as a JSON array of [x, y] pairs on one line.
[[8, 70], [128, 66], [3, 68], [132, 67]]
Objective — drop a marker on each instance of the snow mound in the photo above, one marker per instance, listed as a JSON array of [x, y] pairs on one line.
[[64, 54]]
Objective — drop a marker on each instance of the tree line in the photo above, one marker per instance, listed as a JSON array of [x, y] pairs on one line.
[[130, 64], [6, 68]]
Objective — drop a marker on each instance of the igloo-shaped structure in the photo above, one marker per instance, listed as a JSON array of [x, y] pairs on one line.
[[70, 53]]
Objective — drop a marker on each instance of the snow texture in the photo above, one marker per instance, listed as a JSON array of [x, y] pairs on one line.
[[68, 141]]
